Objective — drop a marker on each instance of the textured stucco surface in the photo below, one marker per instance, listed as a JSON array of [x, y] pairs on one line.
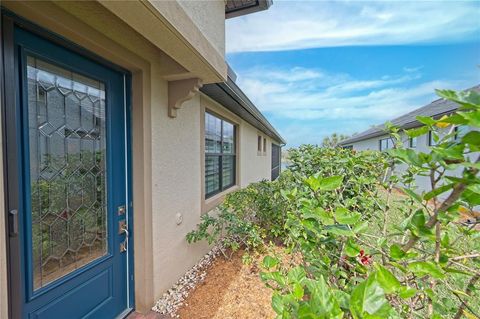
[[209, 17]]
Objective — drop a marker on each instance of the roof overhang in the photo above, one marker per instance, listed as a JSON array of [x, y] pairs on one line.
[[236, 8], [382, 131], [230, 96]]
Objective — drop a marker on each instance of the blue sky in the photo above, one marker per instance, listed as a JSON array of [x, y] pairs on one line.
[[319, 67]]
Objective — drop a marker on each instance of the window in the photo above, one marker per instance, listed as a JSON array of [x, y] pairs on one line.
[[264, 146], [220, 159], [412, 142], [276, 161], [386, 144], [259, 144], [348, 147], [431, 141], [460, 131]]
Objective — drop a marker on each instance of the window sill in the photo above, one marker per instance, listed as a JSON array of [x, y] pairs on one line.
[[214, 201]]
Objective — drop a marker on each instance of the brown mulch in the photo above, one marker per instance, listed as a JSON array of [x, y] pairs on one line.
[[230, 290]]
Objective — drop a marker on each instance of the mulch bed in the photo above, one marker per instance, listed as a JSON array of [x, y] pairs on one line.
[[231, 289]]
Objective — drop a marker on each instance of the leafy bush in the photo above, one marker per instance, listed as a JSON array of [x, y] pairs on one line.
[[358, 248], [416, 259]]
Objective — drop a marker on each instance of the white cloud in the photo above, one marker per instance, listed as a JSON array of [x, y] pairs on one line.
[[313, 106], [291, 25]]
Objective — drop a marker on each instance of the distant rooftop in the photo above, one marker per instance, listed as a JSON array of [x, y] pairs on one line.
[[435, 109], [236, 8]]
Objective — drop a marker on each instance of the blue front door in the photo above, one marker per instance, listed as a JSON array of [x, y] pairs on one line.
[[73, 169]]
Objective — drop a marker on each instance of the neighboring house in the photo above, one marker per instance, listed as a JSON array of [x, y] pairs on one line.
[[376, 137], [122, 126]]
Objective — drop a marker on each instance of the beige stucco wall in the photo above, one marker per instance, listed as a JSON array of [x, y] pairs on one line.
[[255, 165], [167, 155], [209, 17]]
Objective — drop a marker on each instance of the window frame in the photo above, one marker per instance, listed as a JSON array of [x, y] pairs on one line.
[[459, 133], [431, 141], [220, 156], [389, 140], [411, 144]]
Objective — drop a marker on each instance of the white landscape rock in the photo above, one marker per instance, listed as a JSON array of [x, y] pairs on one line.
[[173, 299]]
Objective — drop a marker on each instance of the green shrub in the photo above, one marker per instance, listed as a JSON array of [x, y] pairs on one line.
[[358, 249]]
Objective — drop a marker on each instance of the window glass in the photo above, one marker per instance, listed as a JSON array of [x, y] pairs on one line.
[[228, 170], [461, 131], [413, 142], [385, 144], [212, 174], [219, 155], [228, 138], [431, 141], [213, 134], [264, 145], [259, 143]]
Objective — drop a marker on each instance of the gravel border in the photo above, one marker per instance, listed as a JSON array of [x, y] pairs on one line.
[[173, 299]]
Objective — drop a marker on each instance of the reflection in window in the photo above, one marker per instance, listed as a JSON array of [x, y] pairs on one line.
[[386, 144], [67, 165], [461, 131], [412, 142], [431, 140], [219, 155]]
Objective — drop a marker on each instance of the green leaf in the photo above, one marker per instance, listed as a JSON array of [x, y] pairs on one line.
[[413, 195], [440, 190], [426, 268], [341, 230], [313, 182], [360, 227], [351, 248], [344, 216], [277, 303], [406, 292], [296, 274], [298, 291], [330, 183], [368, 298], [425, 120], [415, 132], [321, 296], [343, 298], [418, 219], [472, 195], [472, 138], [275, 276], [324, 184], [269, 262], [396, 252], [387, 280], [320, 215]]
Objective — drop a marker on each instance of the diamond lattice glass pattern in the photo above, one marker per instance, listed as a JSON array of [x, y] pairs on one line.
[[67, 143]]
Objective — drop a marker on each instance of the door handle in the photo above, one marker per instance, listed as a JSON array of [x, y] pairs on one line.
[[13, 222], [123, 229]]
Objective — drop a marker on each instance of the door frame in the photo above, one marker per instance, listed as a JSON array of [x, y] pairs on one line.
[[10, 133]]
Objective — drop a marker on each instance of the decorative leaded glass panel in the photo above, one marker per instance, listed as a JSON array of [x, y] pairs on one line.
[[67, 143]]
